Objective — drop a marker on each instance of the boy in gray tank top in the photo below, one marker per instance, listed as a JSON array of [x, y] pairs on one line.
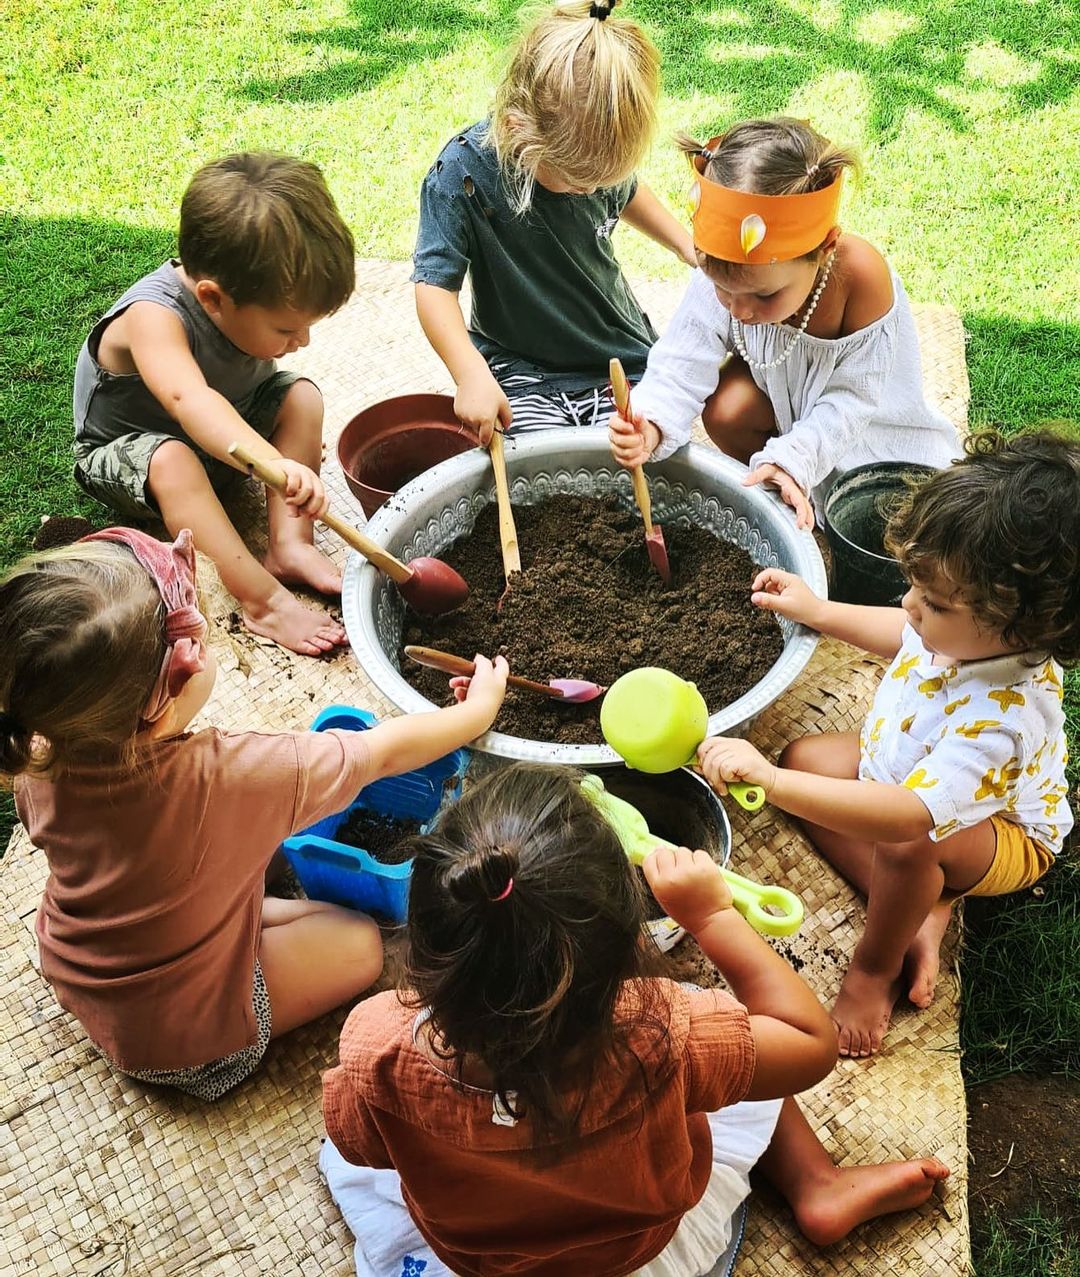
[[183, 365]]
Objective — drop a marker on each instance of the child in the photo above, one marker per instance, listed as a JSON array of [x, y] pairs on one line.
[[537, 1103], [824, 370], [525, 205], [153, 930], [956, 785], [183, 365]]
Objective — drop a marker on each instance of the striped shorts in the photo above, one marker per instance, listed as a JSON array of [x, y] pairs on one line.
[[535, 409]]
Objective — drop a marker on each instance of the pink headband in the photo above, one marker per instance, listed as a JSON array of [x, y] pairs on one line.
[[172, 568]]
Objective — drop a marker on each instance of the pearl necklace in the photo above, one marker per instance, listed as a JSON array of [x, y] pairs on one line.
[[737, 328]]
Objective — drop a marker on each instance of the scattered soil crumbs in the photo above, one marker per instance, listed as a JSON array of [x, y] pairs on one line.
[[379, 836], [588, 604], [1024, 1150]]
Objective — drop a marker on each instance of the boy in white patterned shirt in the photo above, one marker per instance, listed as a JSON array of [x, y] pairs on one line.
[[956, 785]]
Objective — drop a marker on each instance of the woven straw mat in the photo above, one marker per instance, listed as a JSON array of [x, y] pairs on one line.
[[105, 1177]]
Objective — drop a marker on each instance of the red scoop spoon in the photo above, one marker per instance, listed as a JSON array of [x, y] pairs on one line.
[[428, 585], [559, 689]]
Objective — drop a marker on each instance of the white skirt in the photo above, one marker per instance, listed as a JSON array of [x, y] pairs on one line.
[[388, 1243]]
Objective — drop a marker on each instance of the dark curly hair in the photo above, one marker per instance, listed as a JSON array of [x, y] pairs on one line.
[[1002, 525], [526, 980]]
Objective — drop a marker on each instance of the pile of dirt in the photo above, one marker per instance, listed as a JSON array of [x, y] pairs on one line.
[[588, 604], [380, 836]]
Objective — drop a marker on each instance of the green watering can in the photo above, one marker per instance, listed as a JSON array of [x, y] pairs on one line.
[[751, 899], [656, 721]]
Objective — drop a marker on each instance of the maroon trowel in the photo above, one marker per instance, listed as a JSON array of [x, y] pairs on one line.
[[428, 585], [654, 535]]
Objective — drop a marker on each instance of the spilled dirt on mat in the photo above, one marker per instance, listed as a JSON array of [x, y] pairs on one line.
[[588, 604]]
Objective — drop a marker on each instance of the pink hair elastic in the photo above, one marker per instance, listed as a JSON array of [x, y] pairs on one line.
[[504, 893]]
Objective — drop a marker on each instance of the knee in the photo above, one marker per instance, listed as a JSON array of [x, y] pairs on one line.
[[800, 755], [174, 467], [303, 403], [364, 952], [720, 415]]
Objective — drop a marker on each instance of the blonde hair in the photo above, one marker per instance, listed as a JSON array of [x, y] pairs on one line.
[[265, 228], [81, 644], [578, 99]]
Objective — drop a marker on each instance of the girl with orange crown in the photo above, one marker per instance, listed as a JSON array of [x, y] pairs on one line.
[[811, 327]]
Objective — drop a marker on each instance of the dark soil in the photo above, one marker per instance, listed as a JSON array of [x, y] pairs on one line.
[[588, 604], [379, 836], [1037, 1118]]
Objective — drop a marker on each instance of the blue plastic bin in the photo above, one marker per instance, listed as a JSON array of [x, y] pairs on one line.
[[334, 871]]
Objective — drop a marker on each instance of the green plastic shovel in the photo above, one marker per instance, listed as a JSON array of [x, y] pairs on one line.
[[656, 721], [752, 900]]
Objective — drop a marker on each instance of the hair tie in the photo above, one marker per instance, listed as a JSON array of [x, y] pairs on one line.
[[11, 726], [505, 891], [706, 154], [172, 569], [599, 12], [812, 170]]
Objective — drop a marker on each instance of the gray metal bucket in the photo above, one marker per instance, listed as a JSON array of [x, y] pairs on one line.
[[857, 510]]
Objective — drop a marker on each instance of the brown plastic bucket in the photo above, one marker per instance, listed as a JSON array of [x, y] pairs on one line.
[[391, 442]]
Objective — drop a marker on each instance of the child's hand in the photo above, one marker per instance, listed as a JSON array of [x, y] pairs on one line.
[[481, 402], [304, 491], [632, 441], [724, 758], [788, 595], [789, 490], [688, 885], [486, 688]]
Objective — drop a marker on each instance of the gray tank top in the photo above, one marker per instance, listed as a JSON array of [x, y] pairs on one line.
[[108, 405]]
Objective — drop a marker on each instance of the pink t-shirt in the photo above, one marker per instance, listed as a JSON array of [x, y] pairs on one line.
[[487, 1207], [149, 926]]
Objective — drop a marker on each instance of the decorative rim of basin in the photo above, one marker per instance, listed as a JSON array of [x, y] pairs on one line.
[[418, 519]]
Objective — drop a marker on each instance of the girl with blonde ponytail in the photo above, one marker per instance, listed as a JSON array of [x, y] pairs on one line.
[[524, 204]]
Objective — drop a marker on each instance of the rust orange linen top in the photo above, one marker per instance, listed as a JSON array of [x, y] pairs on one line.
[[641, 1158]]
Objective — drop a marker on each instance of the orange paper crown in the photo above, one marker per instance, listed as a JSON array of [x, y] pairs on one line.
[[737, 226]]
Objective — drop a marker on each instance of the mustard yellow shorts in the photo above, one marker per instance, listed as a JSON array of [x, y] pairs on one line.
[[1019, 861]]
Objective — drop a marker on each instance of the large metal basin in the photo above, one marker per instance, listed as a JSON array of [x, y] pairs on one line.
[[697, 486]]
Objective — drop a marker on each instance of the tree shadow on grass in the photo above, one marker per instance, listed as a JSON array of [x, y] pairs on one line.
[[910, 55], [385, 38]]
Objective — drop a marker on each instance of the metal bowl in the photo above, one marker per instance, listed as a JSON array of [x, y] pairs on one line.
[[696, 486]]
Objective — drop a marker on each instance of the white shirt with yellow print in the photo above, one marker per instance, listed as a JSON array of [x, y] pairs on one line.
[[974, 740]]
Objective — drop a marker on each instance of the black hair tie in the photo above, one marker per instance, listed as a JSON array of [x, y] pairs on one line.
[[598, 11]]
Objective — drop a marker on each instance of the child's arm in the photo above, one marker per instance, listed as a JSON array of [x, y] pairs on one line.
[[793, 1035], [162, 357], [400, 744], [646, 214], [875, 629], [683, 371], [480, 401], [866, 809]]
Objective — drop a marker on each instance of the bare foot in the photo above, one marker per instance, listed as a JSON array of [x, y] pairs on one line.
[[832, 1206], [862, 1010], [299, 563], [288, 622], [923, 958]]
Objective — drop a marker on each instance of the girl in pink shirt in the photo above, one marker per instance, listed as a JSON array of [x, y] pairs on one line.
[[537, 1102], [154, 930]]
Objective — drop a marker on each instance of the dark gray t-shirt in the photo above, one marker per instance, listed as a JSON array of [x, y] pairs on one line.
[[108, 405], [549, 296]]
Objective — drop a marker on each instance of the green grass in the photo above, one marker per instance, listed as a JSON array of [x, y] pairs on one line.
[[967, 114], [1031, 1245]]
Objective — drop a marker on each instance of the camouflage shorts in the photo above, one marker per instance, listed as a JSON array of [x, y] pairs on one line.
[[115, 471]]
